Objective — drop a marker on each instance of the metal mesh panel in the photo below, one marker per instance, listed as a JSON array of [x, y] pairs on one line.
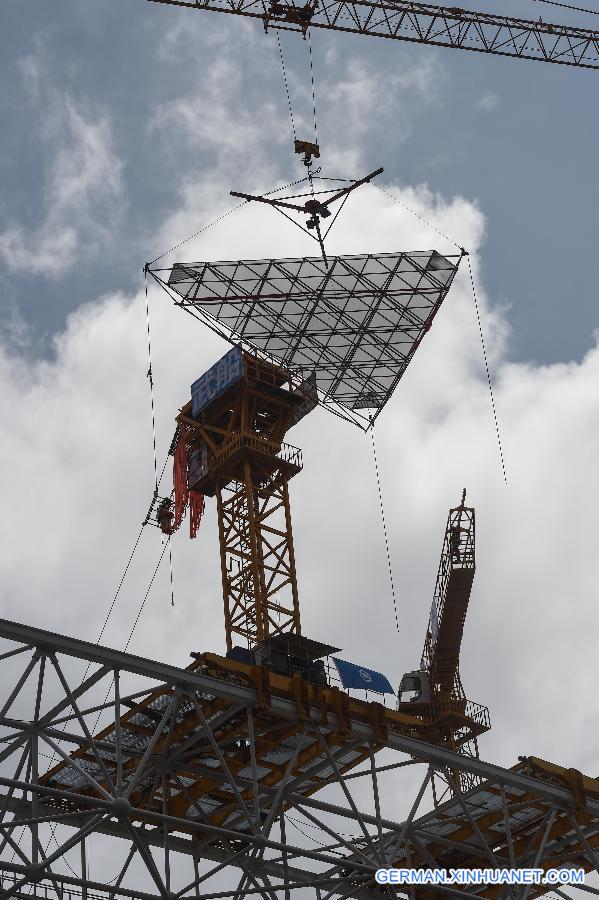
[[356, 321]]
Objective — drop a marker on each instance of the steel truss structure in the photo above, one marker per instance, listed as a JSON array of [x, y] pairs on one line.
[[233, 449], [440, 695], [131, 785], [422, 23], [257, 558], [355, 321]]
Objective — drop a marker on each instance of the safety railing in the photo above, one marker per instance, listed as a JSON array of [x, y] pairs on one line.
[[44, 891], [265, 372], [247, 440], [458, 553], [478, 713], [459, 538], [474, 711]]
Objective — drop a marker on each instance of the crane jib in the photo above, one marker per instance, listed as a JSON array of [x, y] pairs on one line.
[[424, 24]]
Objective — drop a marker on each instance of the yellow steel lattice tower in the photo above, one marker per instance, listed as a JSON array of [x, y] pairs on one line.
[[236, 453]]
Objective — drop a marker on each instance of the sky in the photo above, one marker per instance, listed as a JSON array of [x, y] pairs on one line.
[[125, 127]]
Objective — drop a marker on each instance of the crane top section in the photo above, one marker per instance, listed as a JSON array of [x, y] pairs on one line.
[[241, 409], [351, 323], [450, 602]]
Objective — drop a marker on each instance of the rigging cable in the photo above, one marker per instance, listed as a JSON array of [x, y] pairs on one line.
[[135, 623], [313, 93], [378, 483], [124, 575], [156, 482], [151, 380], [204, 228], [417, 215], [147, 594], [582, 9], [97, 641], [482, 340], [286, 87], [310, 176], [314, 840], [118, 590], [220, 219], [478, 319], [170, 565]]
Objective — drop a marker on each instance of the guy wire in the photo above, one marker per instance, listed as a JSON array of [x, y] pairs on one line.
[[482, 340], [195, 234], [151, 380], [286, 87], [220, 219], [143, 603], [378, 483], [313, 92], [582, 9], [170, 552], [417, 215], [478, 319], [170, 564]]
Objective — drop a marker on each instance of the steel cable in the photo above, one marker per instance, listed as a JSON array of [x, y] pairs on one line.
[[482, 340], [390, 567], [286, 87]]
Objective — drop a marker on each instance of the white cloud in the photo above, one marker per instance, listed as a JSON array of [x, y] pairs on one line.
[[360, 89], [83, 190], [487, 102]]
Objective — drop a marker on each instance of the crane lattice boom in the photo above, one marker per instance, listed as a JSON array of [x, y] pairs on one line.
[[442, 26]]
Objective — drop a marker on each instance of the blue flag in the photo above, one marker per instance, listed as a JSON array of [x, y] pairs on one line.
[[353, 676]]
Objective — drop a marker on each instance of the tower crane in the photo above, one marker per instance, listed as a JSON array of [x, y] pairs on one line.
[[435, 691], [308, 331], [421, 23]]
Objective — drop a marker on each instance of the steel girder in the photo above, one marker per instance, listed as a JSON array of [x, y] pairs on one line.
[[49, 837]]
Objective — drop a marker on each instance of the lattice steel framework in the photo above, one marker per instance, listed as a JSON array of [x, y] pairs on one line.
[[235, 452], [184, 797], [450, 602], [258, 561], [421, 23], [355, 321], [441, 700]]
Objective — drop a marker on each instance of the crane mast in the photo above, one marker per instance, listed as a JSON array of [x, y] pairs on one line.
[[232, 431]]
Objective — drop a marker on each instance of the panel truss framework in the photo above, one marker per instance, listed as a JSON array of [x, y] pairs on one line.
[[440, 26], [50, 830], [355, 320]]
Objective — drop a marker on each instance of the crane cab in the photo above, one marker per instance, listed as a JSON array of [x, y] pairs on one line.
[[414, 687]]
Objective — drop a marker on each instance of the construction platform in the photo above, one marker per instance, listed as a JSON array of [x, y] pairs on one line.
[[214, 740], [202, 769]]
